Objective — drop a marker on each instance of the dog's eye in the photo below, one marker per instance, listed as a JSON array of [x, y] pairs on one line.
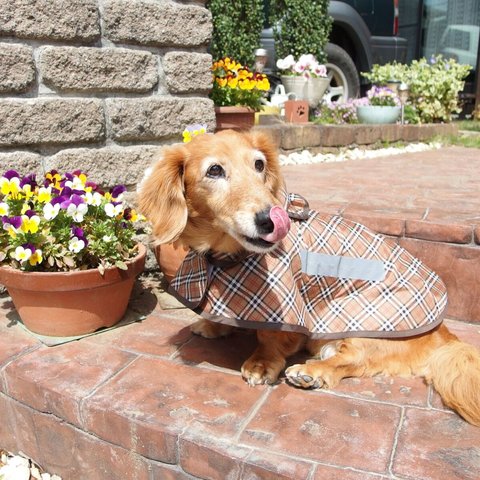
[[215, 171], [259, 165]]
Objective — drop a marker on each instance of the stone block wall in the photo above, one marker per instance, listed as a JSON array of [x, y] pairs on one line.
[[100, 85]]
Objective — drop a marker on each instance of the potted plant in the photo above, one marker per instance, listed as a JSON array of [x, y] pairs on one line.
[[382, 105], [68, 255], [305, 77], [236, 93], [433, 85]]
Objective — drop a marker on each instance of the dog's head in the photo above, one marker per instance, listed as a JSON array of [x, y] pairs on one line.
[[218, 192]]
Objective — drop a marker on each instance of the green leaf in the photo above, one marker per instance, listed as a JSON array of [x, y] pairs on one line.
[[121, 265]]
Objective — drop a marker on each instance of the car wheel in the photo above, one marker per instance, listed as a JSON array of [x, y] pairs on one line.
[[343, 75]]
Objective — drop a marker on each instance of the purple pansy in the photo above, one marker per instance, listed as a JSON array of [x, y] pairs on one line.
[[11, 174], [79, 233], [73, 200], [30, 213], [15, 222], [117, 191], [30, 246], [29, 180]]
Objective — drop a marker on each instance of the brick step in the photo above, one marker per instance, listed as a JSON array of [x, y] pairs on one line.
[[152, 401]]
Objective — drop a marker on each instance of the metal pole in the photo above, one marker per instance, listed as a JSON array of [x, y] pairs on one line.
[[476, 112]]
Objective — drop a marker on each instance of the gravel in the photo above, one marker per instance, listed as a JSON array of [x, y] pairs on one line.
[[306, 157], [19, 467]]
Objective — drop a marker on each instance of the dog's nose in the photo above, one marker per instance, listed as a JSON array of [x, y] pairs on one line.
[[263, 222]]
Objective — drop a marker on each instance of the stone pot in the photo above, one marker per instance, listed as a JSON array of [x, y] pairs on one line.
[[235, 118], [65, 304], [169, 258], [311, 89], [374, 114]]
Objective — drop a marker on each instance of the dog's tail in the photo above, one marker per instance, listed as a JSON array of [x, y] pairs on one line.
[[455, 373]]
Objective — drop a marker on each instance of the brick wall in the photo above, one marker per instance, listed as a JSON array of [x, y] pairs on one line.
[[100, 84]]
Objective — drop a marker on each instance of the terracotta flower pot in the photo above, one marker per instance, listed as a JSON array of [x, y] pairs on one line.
[[169, 258], [235, 118], [63, 304]]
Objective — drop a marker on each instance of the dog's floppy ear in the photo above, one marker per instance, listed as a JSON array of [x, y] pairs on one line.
[[161, 196], [274, 180]]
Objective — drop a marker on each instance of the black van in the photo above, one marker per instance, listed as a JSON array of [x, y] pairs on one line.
[[364, 32]]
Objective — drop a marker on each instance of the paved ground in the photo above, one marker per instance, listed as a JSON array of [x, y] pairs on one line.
[[151, 401], [436, 188]]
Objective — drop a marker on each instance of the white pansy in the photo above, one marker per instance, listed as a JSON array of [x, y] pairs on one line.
[[75, 184], [77, 212], [76, 244], [51, 211], [3, 208], [22, 254], [94, 198], [113, 210]]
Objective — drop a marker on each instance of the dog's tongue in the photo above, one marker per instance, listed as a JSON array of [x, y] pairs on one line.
[[281, 225]]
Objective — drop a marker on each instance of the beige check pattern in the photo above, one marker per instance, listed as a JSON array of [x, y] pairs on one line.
[[271, 291]]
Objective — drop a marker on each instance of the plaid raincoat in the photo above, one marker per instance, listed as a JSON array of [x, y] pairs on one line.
[[328, 278]]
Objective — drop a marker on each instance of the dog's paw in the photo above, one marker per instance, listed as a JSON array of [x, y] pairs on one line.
[[208, 329], [259, 372], [304, 376]]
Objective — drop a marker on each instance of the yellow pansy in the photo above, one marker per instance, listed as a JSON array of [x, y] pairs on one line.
[[27, 191], [55, 179], [233, 82], [10, 187], [44, 194], [30, 224], [36, 257]]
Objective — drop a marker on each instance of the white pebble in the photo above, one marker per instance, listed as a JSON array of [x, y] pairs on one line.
[[305, 157]]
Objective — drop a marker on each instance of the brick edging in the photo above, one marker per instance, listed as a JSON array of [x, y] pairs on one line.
[[302, 136]]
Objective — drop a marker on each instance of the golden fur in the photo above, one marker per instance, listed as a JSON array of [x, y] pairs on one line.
[[184, 202]]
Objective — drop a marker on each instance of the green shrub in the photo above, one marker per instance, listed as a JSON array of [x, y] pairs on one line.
[[433, 86], [301, 27], [237, 26]]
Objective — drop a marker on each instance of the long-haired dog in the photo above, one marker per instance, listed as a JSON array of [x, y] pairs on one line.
[[222, 195]]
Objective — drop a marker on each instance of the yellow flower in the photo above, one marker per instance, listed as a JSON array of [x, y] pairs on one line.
[[44, 194], [246, 84], [36, 257], [25, 207], [11, 231], [222, 82], [27, 190], [54, 179], [232, 64], [233, 82], [243, 73], [10, 187], [30, 224], [263, 84], [187, 136]]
